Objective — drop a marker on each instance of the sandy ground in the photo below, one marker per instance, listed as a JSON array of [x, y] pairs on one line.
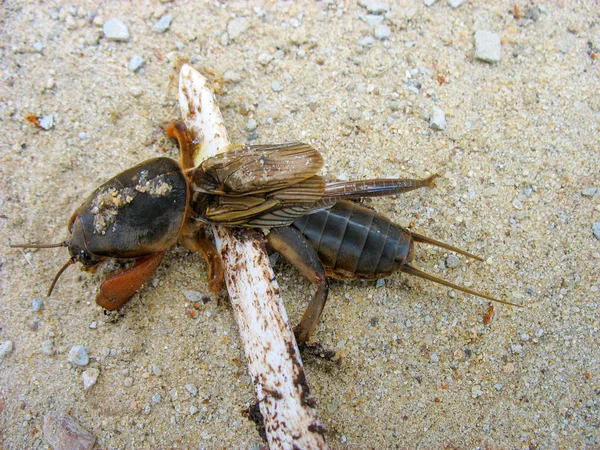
[[422, 366]]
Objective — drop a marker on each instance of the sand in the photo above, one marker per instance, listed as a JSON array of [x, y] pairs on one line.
[[422, 366]]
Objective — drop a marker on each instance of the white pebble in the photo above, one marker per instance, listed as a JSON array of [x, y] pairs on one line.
[[375, 6], [237, 27], [596, 229], [6, 349], [78, 356], [136, 63], [438, 119], [36, 304], [455, 3], [374, 20], [251, 125], [46, 122], [452, 261], [488, 47], [383, 32], [589, 192], [89, 378], [163, 23], [193, 390], [264, 59], [476, 391], [276, 86], [367, 42], [115, 30], [193, 296]]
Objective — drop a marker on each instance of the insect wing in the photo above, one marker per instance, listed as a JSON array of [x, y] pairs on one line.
[[276, 209], [256, 169]]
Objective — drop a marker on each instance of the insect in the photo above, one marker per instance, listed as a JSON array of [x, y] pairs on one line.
[[140, 213]]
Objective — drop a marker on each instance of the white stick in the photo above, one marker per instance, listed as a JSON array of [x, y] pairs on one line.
[[274, 363]]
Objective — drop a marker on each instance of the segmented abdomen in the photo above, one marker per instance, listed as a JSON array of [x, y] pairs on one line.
[[356, 242]]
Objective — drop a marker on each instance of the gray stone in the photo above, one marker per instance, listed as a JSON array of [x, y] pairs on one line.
[[136, 63], [488, 47], [115, 30], [163, 23], [375, 6], [438, 119]]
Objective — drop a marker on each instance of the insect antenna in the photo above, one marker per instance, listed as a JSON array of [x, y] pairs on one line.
[[62, 244], [412, 270], [60, 272]]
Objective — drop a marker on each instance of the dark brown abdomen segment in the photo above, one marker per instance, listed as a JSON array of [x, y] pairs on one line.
[[355, 242]]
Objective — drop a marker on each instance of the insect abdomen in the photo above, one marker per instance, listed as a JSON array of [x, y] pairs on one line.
[[356, 242]]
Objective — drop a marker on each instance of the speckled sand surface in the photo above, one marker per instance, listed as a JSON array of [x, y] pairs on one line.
[[420, 367]]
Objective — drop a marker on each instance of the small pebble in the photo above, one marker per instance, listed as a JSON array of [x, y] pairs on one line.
[[488, 47], [50, 83], [438, 119], [497, 386], [128, 382], [264, 59], [434, 358], [163, 23], [367, 42], [36, 304], [276, 86], [596, 230], [115, 30], [78, 356], [251, 125], [156, 398], [193, 410], [47, 347], [428, 2], [193, 296], [517, 204], [93, 325], [253, 136], [374, 20], [375, 6], [455, 3], [6, 349], [89, 378], [46, 122], [452, 261], [156, 370], [62, 432], [136, 63], [192, 389], [237, 27], [38, 47], [383, 32], [589, 192], [232, 77], [380, 283], [476, 391]]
